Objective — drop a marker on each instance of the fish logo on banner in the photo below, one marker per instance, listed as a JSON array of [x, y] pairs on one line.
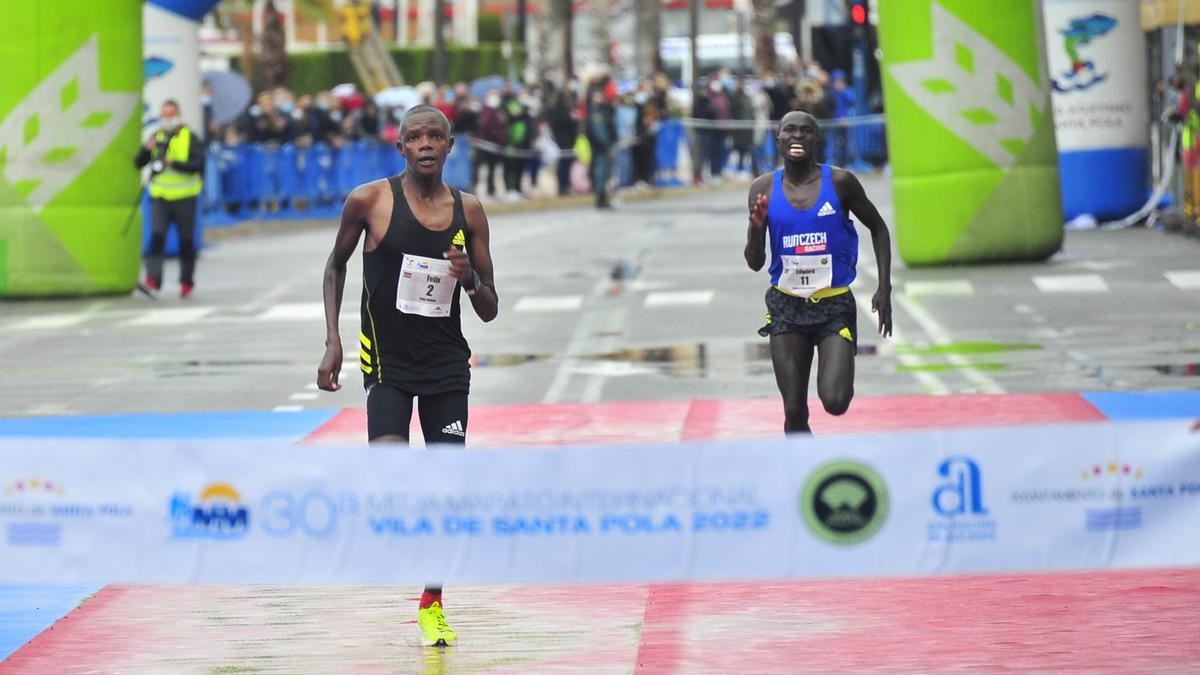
[[1079, 32], [218, 513], [959, 502], [844, 502]]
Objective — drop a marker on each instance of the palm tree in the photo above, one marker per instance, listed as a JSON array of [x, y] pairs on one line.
[[272, 48], [269, 68]]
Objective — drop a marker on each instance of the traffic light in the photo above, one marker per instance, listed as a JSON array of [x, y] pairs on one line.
[[858, 12]]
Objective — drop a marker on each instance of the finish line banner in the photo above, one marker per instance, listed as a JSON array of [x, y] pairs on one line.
[[1085, 496]]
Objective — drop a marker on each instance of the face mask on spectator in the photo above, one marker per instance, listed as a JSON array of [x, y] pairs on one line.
[[205, 99], [323, 104], [640, 98], [255, 111], [336, 115], [285, 107], [492, 101]]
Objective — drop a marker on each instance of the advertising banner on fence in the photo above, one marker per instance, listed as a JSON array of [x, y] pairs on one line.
[[1016, 499]]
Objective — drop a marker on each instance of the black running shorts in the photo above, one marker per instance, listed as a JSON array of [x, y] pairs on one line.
[[836, 315]]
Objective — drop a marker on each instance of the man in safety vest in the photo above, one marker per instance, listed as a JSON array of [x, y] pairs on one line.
[[176, 159]]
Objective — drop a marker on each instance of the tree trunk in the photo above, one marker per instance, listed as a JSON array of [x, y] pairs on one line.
[[649, 21], [762, 27], [273, 48], [439, 42], [602, 17], [562, 27]]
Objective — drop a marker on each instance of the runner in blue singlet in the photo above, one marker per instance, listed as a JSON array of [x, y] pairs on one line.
[[804, 210]]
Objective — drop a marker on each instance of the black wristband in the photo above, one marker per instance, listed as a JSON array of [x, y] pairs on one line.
[[475, 281]]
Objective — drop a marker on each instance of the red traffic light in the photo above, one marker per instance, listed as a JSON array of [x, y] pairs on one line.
[[858, 14]]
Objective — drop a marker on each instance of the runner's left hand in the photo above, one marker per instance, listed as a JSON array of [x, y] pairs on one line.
[[460, 265], [881, 304]]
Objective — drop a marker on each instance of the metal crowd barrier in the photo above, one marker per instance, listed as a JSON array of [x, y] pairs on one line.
[[289, 182], [266, 181]]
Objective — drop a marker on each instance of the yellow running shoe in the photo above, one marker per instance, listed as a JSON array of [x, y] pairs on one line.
[[435, 632]]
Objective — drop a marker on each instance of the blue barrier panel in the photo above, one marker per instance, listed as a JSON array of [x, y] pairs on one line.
[[171, 249], [666, 151], [339, 171], [457, 172], [288, 179]]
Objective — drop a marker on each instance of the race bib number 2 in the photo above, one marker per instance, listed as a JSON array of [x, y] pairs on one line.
[[804, 275], [426, 287]]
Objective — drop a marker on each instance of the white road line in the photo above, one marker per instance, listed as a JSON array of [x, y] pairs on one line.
[[294, 311], [941, 336], [678, 298], [311, 386], [549, 303], [1070, 283], [287, 408], [930, 382], [270, 296], [562, 376], [51, 321], [947, 287], [303, 396], [1186, 280], [170, 317]]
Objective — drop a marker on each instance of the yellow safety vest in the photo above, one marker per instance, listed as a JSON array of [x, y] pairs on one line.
[[170, 184]]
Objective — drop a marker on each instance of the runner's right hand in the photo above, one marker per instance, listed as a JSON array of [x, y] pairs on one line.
[[331, 368], [758, 212]]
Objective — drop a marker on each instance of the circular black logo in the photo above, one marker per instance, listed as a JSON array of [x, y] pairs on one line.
[[844, 502]]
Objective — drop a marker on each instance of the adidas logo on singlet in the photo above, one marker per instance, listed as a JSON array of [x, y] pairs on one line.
[[455, 428], [826, 210]]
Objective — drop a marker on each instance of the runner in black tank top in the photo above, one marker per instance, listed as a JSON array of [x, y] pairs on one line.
[[418, 354], [424, 242]]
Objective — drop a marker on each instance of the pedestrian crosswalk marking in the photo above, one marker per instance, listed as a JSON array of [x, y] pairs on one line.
[[170, 317], [678, 298], [1071, 283], [51, 321], [946, 287], [549, 303], [1187, 280], [296, 311]]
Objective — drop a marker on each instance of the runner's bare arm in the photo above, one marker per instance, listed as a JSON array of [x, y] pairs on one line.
[[354, 221], [853, 197], [756, 232], [478, 260]]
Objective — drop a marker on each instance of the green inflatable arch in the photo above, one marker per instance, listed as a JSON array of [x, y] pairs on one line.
[[69, 126], [970, 131]]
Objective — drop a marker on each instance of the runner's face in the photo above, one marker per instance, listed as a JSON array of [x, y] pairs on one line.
[[797, 137], [425, 142]]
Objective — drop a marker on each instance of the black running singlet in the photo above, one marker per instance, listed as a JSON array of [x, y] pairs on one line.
[[419, 353]]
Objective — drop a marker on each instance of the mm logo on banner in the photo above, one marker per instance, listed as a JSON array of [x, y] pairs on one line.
[[844, 502], [959, 503], [218, 513]]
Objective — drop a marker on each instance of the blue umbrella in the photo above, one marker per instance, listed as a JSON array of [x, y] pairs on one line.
[[480, 87], [231, 94]]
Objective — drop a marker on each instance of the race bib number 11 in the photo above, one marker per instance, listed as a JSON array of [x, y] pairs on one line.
[[804, 275]]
